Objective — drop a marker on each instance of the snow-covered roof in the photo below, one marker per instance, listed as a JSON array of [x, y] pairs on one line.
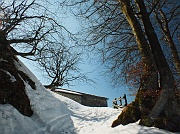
[[75, 92], [67, 91]]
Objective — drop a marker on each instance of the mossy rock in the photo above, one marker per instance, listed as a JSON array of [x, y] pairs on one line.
[[130, 114]]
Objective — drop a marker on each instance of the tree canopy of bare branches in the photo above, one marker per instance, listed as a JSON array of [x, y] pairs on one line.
[[142, 35], [30, 28]]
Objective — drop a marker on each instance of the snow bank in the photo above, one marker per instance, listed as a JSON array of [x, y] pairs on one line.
[[55, 114], [14, 122], [50, 114], [98, 120]]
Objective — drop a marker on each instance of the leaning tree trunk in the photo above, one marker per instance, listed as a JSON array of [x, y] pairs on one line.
[[149, 82], [12, 81], [167, 102], [150, 78], [150, 105]]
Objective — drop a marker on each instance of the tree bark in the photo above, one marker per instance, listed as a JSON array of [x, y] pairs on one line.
[[166, 77], [144, 48], [156, 107], [143, 103]]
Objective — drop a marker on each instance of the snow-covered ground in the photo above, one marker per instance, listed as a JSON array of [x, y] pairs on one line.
[[55, 114]]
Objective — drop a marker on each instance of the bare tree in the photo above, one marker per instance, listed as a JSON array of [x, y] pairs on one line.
[[105, 25], [170, 29], [28, 29], [125, 27], [61, 66]]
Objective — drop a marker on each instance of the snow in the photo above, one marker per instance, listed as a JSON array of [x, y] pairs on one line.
[[55, 114], [67, 91]]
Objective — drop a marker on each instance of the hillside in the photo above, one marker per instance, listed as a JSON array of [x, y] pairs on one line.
[[55, 114]]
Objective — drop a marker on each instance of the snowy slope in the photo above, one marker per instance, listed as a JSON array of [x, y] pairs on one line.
[[55, 114], [50, 114], [97, 120]]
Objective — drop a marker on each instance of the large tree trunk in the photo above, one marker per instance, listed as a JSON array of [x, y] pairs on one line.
[[140, 107], [12, 87], [151, 106], [150, 78], [166, 78]]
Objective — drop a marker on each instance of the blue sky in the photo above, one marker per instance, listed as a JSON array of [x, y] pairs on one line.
[[102, 87]]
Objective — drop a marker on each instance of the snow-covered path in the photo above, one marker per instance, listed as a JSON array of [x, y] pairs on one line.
[[89, 120], [93, 120], [98, 120], [55, 114]]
